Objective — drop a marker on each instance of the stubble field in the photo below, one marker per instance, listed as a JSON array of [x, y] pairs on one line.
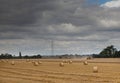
[[49, 71]]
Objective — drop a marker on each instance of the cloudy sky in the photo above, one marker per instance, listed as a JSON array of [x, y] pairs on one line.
[[75, 26]]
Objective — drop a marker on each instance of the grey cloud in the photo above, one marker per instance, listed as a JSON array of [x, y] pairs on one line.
[[22, 12], [46, 13], [60, 20]]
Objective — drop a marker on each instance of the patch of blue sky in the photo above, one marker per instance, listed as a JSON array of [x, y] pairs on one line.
[[97, 1], [103, 1]]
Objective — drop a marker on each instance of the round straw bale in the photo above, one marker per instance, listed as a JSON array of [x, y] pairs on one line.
[[70, 61], [85, 63], [61, 64], [28, 60], [36, 63], [39, 62], [13, 63], [95, 69]]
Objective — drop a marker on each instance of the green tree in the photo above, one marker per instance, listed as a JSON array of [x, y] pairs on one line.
[[109, 51], [5, 56]]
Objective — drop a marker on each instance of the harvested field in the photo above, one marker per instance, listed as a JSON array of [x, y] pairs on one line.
[[50, 71]]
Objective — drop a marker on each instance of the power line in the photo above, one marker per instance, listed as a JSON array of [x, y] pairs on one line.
[[52, 47]]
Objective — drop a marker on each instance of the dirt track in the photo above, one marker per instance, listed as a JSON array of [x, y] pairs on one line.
[[50, 71]]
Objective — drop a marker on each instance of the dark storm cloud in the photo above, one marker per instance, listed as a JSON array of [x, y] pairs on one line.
[[16, 14], [41, 18], [22, 12], [27, 22]]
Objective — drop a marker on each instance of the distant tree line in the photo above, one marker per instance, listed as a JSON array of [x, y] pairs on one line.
[[69, 56], [108, 52], [10, 56], [6, 56], [32, 57]]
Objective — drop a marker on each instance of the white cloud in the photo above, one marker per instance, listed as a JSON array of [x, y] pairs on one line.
[[111, 4], [109, 23], [63, 28]]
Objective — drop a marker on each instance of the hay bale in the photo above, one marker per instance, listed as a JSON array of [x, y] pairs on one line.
[[13, 63], [95, 69], [65, 61], [7, 61], [70, 61], [2, 60], [33, 62], [28, 60], [36, 64], [89, 57], [39, 62], [61, 64], [85, 63]]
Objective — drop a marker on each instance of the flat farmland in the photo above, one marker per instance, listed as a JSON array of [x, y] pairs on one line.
[[49, 71]]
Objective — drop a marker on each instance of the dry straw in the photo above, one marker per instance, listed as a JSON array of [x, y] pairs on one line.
[[39, 62], [85, 63], [95, 69], [36, 63], [13, 63], [70, 61], [28, 60], [61, 64]]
